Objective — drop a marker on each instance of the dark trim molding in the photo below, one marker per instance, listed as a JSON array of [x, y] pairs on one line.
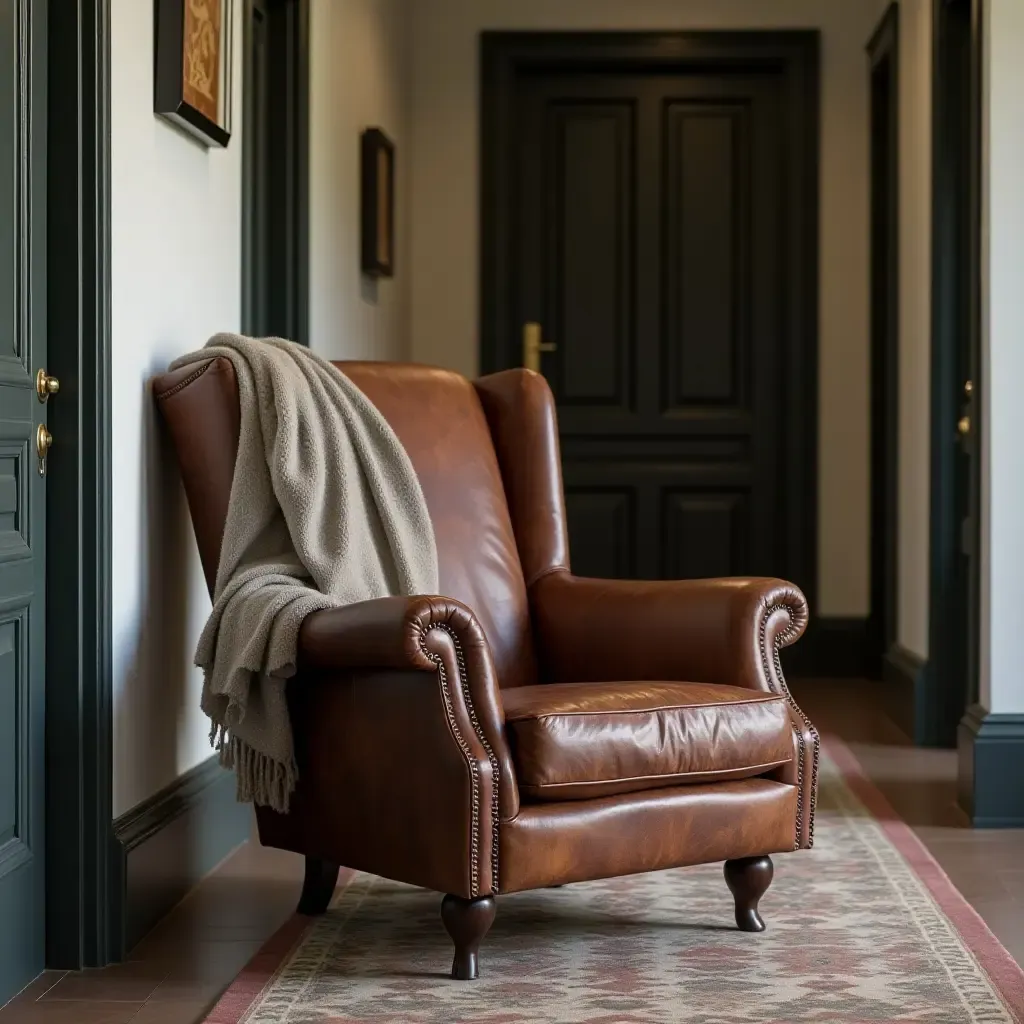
[[884, 61], [905, 676], [832, 648], [288, 22], [504, 56], [80, 930], [991, 754], [884, 41], [952, 679], [302, 172], [170, 841]]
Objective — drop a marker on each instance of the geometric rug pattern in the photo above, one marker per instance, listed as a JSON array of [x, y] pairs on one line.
[[864, 927]]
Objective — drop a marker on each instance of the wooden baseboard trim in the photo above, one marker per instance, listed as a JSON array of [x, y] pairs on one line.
[[991, 756], [904, 675], [170, 841]]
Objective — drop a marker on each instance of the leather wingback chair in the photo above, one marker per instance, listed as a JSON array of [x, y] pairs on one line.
[[528, 728]]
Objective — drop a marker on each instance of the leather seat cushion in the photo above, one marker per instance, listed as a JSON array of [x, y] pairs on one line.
[[574, 741]]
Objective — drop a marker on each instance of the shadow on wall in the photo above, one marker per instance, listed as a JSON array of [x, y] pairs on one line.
[[159, 680], [177, 814]]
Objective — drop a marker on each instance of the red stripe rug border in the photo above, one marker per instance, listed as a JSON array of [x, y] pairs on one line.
[[259, 972], [1005, 973]]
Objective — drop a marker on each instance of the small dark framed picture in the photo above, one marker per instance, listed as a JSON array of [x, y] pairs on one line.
[[378, 202], [192, 67]]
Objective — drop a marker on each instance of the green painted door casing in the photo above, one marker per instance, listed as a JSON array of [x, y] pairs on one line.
[[22, 488]]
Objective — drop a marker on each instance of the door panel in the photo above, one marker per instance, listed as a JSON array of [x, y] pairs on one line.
[[706, 534], [649, 222], [706, 195], [602, 523], [22, 491], [590, 256]]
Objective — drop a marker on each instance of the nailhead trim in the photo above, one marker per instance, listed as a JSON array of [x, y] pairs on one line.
[[184, 383], [474, 769], [780, 642]]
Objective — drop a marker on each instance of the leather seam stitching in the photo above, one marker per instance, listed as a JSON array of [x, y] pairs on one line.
[[182, 384], [474, 767], [772, 698], [474, 782], [802, 813], [666, 775]]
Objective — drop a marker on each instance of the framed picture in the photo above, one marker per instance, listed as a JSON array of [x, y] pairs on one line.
[[378, 201], [192, 67]]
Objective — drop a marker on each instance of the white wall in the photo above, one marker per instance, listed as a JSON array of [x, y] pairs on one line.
[[445, 204], [915, 324], [176, 278], [1002, 587], [358, 79]]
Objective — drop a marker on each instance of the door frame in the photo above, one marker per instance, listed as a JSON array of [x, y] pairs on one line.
[[83, 901], [506, 55], [943, 701], [883, 52], [296, 209]]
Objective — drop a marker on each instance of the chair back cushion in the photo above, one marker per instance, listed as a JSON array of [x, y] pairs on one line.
[[438, 418]]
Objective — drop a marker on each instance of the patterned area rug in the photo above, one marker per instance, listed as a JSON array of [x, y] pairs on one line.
[[866, 927]]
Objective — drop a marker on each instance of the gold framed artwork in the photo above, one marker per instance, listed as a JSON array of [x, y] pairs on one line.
[[192, 67], [378, 204]]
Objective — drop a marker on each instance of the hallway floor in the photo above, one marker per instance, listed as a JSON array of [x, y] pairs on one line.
[[177, 973]]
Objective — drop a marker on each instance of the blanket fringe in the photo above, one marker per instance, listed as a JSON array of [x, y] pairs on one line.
[[259, 779]]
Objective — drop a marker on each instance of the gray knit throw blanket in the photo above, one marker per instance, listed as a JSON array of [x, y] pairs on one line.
[[325, 510]]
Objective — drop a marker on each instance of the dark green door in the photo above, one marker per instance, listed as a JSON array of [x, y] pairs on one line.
[[22, 487]]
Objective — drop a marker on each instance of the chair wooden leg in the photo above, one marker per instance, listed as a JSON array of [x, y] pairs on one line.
[[467, 922], [318, 886], [748, 880]]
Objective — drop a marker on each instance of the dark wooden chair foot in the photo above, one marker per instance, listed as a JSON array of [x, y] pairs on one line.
[[748, 880], [467, 922], [318, 886]]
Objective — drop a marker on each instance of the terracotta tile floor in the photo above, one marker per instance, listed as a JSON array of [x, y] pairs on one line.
[[176, 974]]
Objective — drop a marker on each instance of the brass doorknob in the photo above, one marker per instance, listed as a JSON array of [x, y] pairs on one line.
[[46, 385], [43, 441], [964, 426], [533, 346]]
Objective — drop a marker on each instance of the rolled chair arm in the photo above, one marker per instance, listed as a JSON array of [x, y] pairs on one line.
[[429, 634], [725, 631]]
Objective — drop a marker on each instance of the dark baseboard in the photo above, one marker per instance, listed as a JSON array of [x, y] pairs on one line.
[[904, 675], [991, 749], [170, 841], [832, 648]]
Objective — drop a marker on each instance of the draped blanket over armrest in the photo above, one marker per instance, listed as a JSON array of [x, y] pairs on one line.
[[325, 510]]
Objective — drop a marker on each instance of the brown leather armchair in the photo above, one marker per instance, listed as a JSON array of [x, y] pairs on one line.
[[530, 728]]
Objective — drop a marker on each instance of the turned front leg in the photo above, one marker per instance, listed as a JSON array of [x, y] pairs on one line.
[[467, 922], [748, 880]]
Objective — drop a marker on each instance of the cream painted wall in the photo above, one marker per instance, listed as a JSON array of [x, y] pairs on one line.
[[915, 323], [175, 279], [1002, 587], [445, 211], [358, 79]]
